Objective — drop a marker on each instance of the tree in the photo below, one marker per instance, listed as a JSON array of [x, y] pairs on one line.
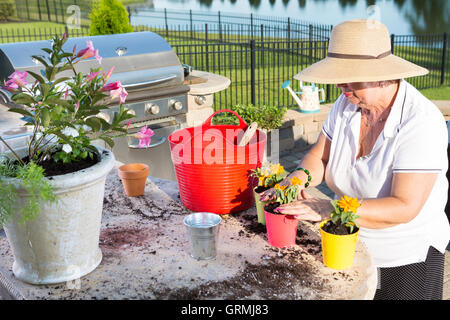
[[7, 9], [109, 17]]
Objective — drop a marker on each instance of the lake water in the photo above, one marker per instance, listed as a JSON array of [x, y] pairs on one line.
[[402, 17]]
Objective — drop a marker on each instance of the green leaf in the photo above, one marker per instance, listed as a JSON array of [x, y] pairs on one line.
[[41, 60], [108, 140], [45, 88], [36, 76], [22, 111], [45, 116], [94, 123], [62, 79]]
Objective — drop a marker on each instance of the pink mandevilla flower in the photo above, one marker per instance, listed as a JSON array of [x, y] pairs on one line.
[[16, 79], [116, 91], [120, 92], [89, 52], [144, 137], [108, 75], [92, 76], [111, 86]]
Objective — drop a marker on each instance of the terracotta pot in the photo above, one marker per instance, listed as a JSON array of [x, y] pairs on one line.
[[281, 229], [338, 251], [134, 176]]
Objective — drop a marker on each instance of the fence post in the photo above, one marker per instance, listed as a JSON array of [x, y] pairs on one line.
[[28, 10], [392, 43], [444, 57], [220, 28], [206, 47], [62, 10], [262, 32], [165, 20], [252, 75], [39, 9], [190, 20], [48, 11], [251, 24], [289, 29], [310, 44]]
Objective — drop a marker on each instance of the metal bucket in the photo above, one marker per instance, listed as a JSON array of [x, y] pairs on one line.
[[203, 228]]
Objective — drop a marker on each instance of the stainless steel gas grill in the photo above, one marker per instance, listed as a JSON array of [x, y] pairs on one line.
[[150, 71]]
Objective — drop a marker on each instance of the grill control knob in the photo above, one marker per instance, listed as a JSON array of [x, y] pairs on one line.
[[152, 108], [177, 105]]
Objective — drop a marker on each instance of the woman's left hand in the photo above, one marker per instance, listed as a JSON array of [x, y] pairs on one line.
[[310, 209]]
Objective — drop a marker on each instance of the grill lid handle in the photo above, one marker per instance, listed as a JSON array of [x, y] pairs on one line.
[[150, 82]]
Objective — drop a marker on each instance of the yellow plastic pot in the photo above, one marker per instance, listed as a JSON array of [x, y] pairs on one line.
[[338, 251]]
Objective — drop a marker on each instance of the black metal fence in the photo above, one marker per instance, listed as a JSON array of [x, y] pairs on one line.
[[53, 10], [258, 68], [257, 55], [229, 24], [33, 34]]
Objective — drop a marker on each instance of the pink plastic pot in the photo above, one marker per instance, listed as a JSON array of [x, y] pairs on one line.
[[281, 229]]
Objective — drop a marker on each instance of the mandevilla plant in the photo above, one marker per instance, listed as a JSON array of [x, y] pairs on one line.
[[65, 114], [345, 212], [64, 111]]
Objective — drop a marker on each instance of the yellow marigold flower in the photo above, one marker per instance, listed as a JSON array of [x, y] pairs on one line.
[[276, 168], [349, 204], [296, 181], [262, 180], [277, 186]]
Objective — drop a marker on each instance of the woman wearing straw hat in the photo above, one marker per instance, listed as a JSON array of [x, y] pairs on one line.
[[385, 144]]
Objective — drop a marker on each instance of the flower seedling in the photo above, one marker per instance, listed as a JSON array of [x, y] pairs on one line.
[[344, 212], [268, 175]]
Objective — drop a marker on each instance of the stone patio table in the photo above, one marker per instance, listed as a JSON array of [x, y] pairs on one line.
[[146, 256]]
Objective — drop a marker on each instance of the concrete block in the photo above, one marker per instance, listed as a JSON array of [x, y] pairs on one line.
[[196, 117], [310, 127], [311, 138]]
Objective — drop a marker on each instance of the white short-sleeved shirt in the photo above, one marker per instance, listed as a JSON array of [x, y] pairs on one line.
[[414, 139]]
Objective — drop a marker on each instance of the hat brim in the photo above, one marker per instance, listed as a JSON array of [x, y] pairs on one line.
[[337, 70]]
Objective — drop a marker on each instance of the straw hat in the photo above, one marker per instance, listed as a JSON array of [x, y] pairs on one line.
[[359, 51]]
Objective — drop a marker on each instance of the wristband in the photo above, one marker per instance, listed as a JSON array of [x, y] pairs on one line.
[[309, 176]]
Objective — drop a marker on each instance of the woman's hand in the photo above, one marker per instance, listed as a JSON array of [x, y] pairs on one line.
[[307, 208]]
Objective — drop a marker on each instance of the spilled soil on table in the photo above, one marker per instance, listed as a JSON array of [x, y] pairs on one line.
[[284, 273], [274, 279]]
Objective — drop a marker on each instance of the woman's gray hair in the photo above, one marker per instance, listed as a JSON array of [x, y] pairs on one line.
[[386, 83]]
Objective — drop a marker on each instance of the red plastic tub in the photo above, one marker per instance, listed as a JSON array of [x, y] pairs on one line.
[[213, 173]]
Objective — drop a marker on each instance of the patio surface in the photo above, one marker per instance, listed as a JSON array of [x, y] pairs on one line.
[[288, 159]]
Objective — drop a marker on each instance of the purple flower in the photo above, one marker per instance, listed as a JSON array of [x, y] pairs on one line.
[[144, 137]]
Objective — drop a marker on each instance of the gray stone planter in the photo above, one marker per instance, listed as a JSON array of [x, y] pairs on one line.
[[61, 244]]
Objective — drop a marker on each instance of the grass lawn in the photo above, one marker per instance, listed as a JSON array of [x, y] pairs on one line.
[[274, 62], [441, 93]]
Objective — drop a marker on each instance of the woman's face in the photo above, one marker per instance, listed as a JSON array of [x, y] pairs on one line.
[[361, 93]]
